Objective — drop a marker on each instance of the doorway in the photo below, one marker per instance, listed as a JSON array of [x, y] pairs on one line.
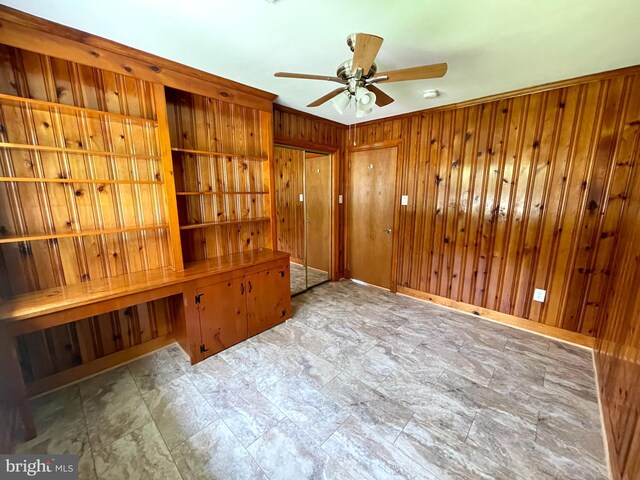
[[303, 214], [371, 214]]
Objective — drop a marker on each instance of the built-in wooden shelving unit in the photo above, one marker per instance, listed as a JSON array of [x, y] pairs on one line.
[[106, 175], [69, 172], [222, 175]]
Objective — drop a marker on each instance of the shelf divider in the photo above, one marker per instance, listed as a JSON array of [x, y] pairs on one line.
[[221, 193], [80, 151], [218, 154], [88, 233], [79, 180], [90, 112], [230, 222]]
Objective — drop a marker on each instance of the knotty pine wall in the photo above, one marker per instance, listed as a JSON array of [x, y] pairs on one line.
[[32, 208], [516, 194], [299, 129], [618, 340], [289, 177]]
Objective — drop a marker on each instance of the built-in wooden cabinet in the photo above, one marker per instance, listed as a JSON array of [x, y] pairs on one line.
[[222, 311], [233, 310], [268, 298]]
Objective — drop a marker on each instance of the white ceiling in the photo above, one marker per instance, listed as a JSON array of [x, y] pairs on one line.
[[491, 46]]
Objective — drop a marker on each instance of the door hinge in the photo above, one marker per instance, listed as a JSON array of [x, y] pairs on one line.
[[202, 349], [198, 297]]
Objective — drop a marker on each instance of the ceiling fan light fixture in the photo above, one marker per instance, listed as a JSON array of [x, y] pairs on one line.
[[341, 101], [365, 97]]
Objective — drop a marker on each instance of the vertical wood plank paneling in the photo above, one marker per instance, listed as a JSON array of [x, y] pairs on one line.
[[515, 194], [289, 175], [618, 318]]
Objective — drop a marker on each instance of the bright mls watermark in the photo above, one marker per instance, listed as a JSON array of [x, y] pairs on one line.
[[50, 467]]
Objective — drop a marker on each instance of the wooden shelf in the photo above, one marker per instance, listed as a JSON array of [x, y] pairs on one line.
[[218, 154], [88, 233], [230, 222], [81, 151], [221, 193], [79, 180], [89, 112]]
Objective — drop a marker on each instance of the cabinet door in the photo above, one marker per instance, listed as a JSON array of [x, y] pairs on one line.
[[268, 299], [223, 315]]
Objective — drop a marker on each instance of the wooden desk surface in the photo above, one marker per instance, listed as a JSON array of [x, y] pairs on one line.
[[57, 299]]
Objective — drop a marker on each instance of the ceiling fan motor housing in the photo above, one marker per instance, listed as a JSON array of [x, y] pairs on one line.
[[355, 79]]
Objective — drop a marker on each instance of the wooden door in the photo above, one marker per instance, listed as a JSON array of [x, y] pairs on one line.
[[371, 208], [223, 315], [318, 209], [268, 299]]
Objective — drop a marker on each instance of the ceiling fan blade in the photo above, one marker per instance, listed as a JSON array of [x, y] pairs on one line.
[[326, 97], [307, 76], [365, 51], [436, 70], [382, 99]]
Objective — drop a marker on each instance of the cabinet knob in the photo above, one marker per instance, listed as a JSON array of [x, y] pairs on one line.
[[242, 289]]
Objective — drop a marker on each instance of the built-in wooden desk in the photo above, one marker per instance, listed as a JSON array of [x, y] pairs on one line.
[[221, 301]]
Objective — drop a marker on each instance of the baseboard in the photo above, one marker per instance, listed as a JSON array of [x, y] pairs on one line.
[[556, 333], [99, 365], [605, 424]]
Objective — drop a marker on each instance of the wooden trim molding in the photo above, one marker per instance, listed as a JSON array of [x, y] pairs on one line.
[[555, 333], [21, 30], [310, 116], [514, 93], [70, 375], [605, 422]]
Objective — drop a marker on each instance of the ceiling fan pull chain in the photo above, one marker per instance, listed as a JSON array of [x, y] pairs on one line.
[[355, 131]]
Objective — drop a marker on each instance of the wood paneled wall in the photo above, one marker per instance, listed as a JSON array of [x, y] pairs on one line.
[[291, 127], [618, 337], [516, 194], [299, 129], [121, 192], [289, 179]]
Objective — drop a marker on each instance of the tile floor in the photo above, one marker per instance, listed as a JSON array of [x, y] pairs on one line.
[[360, 384]]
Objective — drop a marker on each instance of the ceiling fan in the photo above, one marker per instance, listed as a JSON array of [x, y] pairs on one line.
[[360, 74]]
